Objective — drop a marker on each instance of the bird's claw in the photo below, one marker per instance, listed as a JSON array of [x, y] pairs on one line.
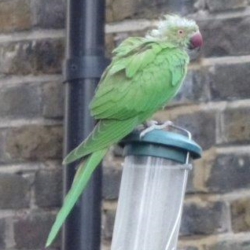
[[155, 125], [148, 124]]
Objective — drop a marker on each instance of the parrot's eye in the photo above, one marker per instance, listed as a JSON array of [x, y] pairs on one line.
[[180, 32]]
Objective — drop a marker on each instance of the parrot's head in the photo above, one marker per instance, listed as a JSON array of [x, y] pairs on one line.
[[178, 31]]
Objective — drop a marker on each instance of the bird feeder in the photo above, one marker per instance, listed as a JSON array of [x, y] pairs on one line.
[[152, 189]]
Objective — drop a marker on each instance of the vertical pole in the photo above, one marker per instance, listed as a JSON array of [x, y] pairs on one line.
[[83, 67]]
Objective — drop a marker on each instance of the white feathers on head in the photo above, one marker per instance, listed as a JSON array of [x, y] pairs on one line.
[[170, 21]]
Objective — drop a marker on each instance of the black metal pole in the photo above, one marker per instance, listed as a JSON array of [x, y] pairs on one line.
[[83, 67]]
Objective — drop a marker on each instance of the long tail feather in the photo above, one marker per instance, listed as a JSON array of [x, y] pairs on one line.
[[81, 179]]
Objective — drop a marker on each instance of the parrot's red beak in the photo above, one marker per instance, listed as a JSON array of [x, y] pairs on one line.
[[196, 41]]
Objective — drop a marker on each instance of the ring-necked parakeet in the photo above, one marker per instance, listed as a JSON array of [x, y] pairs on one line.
[[145, 73]]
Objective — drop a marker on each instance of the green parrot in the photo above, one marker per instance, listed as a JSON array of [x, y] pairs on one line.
[[145, 73]]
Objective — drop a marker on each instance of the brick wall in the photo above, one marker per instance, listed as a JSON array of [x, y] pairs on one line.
[[214, 104]]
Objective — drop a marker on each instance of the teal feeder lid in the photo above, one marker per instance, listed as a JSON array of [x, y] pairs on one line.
[[160, 143]]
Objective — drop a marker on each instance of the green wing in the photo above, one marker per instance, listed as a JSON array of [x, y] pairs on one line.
[[139, 82], [142, 77]]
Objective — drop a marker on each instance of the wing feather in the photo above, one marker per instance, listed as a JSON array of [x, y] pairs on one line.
[[141, 84], [106, 133]]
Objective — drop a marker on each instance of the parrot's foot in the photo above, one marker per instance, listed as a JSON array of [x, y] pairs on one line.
[[148, 124], [145, 125], [155, 125]]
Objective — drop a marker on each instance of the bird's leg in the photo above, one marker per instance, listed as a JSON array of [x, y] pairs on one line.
[[155, 125], [140, 127], [146, 125]]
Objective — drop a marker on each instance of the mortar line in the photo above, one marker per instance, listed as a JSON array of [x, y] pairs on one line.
[[28, 166], [6, 123], [10, 81]]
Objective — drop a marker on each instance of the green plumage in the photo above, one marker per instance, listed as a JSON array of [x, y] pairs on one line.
[[82, 176], [131, 90], [142, 77]]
